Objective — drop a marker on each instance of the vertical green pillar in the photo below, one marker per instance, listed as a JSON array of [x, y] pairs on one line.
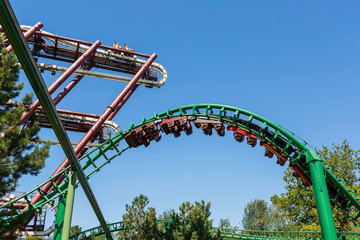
[[59, 220], [69, 205], [321, 195]]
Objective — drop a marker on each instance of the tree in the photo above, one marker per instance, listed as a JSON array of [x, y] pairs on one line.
[[92, 237], [278, 221], [18, 154], [298, 202], [139, 220], [256, 216], [224, 225], [166, 214], [75, 230], [192, 222]]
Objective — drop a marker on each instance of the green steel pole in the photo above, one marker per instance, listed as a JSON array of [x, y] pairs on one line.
[[69, 205], [22, 51], [321, 195], [59, 220]]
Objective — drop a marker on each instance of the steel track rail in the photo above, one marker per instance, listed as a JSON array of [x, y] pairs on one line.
[[226, 233], [104, 52], [344, 198]]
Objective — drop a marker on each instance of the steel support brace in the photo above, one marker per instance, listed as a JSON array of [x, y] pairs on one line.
[[22, 51], [69, 205], [28, 34], [113, 108], [59, 220], [55, 85], [321, 195]]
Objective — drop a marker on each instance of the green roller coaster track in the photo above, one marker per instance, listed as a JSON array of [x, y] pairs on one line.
[[226, 233], [96, 159], [325, 185]]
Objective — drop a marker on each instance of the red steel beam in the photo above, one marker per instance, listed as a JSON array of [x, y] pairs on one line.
[[62, 78], [16, 205], [95, 128], [122, 102], [60, 37], [68, 88], [77, 113], [110, 109], [112, 115], [89, 44], [97, 65], [28, 34]]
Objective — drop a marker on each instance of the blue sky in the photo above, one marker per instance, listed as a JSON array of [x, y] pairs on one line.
[[293, 62]]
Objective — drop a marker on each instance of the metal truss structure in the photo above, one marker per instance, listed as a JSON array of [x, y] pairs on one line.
[[140, 69]]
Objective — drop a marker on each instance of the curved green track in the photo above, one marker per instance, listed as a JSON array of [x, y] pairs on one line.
[[226, 233], [264, 129]]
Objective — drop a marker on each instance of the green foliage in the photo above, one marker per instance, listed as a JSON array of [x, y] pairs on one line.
[[344, 161], [256, 216], [91, 237], [18, 154], [166, 214], [278, 221], [140, 221], [224, 225], [8, 226], [75, 230], [33, 238], [192, 222], [297, 205], [297, 202]]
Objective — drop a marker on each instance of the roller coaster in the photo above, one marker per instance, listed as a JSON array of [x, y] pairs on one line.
[[226, 233], [31, 44]]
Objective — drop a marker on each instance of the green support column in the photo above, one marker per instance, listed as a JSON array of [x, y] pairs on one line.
[[59, 217], [321, 195], [69, 205]]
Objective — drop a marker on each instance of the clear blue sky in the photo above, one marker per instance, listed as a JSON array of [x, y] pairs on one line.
[[293, 62]]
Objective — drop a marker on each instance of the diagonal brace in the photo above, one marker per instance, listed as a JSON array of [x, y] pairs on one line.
[[17, 40]]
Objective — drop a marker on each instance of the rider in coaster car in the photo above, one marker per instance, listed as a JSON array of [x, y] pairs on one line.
[[116, 45]]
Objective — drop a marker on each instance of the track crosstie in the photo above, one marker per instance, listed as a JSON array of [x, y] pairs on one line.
[[276, 140]]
